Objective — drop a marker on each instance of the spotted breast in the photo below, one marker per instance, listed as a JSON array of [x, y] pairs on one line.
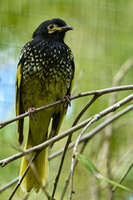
[[48, 67]]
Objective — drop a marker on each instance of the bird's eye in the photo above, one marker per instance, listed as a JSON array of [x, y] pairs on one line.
[[51, 26]]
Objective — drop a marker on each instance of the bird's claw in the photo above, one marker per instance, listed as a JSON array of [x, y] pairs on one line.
[[67, 101], [31, 110]]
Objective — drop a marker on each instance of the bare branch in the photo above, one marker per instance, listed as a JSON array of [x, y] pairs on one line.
[[88, 136], [109, 130], [36, 175], [85, 124], [95, 92], [94, 118], [9, 184], [33, 168], [94, 98], [123, 178], [84, 139], [95, 130], [21, 179], [73, 158], [67, 132], [69, 141], [69, 175], [43, 145], [85, 108]]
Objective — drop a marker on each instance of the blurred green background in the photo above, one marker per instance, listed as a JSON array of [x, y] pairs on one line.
[[102, 41]]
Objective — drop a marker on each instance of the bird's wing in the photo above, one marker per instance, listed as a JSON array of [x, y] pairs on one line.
[[18, 101], [58, 116], [72, 77]]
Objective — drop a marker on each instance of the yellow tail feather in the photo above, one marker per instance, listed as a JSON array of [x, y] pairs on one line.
[[41, 166]]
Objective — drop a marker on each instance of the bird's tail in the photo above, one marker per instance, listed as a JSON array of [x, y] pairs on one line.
[[37, 174]]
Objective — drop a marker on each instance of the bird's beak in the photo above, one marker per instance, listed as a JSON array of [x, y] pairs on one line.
[[66, 28]]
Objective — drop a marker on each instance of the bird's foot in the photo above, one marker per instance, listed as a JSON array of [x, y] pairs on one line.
[[31, 110], [67, 101]]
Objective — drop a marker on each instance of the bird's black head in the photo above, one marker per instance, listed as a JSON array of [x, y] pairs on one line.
[[53, 29]]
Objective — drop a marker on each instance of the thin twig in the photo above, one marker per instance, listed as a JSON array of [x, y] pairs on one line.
[[33, 168], [123, 178], [95, 92], [95, 118], [73, 155], [109, 130], [67, 144], [94, 131], [60, 167], [96, 95], [21, 179], [84, 139], [85, 108], [71, 130], [36, 175], [43, 145], [9, 184], [69, 175]]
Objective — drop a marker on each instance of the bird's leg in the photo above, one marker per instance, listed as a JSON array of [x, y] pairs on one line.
[[31, 111], [67, 100]]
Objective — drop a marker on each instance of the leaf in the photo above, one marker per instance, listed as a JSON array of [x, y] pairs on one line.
[[87, 163], [93, 170]]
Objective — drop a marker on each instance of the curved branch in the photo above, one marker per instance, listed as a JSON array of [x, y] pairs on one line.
[[84, 139], [83, 94], [67, 132]]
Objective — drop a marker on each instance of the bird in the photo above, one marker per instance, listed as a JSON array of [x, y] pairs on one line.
[[45, 74]]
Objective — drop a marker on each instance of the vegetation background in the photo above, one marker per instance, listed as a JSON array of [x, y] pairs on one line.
[[102, 41]]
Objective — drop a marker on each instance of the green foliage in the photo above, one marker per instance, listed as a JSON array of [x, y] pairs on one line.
[[94, 171]]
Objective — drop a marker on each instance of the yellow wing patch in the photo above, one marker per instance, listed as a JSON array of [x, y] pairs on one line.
[[18, 102], [18, 85]]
